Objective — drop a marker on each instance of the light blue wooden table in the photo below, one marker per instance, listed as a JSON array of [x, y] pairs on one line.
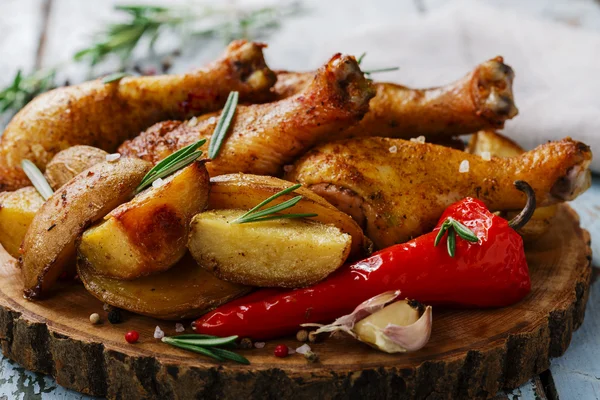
[[41, 33]]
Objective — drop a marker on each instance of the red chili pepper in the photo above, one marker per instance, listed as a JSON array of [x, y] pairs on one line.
[[489, 273]]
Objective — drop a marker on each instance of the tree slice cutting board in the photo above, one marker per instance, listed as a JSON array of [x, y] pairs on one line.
[[472, 353]]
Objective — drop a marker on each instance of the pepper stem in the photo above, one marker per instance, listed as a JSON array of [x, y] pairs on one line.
[[525, 215]]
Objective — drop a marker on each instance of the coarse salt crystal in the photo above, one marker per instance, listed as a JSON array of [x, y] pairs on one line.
[[113, 157], [259, 345], [393, 149], [193, 121], [212, 120], [179, 328], [464, 166], [303, 349], [420, 139], [158, 333], [158, 183], [288, 168], [486, 155]]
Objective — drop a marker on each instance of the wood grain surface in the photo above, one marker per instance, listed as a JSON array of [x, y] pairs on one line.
[[472, 353]]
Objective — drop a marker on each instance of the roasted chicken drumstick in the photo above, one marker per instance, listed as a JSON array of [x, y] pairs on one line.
[[105, 114], [481, 100], [397, 189], [262, 138]]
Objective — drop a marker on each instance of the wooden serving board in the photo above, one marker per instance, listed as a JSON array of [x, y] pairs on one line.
[[472, 353]]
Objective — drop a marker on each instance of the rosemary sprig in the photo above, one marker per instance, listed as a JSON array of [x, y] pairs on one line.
[[117, 76], [207, 346], [24, 88], [171, 164], [374, 71], [269, 214], [360, 59], [453, 227], [37, 179], [218, 136]]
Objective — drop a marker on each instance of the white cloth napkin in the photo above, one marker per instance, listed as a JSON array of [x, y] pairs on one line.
[[557, 67]]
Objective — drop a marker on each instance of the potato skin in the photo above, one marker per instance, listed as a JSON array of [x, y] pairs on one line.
[[184, 291], [17, 210], [149, 233], [244, 191], [68, 163], [287, 253], [49, 245]]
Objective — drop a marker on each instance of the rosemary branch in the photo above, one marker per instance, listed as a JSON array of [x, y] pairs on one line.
[[269, 214], [207, 345]]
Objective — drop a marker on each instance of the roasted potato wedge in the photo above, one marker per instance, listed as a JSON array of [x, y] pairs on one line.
[[17, 210], [184, 291], [501, 146], [49, 245], [494, 143], [149, 233], [279, 253], [70, 162], [244, 191]]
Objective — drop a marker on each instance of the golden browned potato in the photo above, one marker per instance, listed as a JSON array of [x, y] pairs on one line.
[[49, 245], [184, 291], [494, 143], [70, 162], [498, 145], [17, 210], [244, 191], [279, 253], [149, 233]]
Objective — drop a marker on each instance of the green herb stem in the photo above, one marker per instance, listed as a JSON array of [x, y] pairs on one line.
[[374, 71], [257, 215], [171, 164], [206, 345], [218, 136], [453, 228]]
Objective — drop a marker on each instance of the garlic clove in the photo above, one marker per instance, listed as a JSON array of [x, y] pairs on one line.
[[364, 309], [399, 327]]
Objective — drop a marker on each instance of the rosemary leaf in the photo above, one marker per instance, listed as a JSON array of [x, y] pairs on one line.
[[464, 232], [362, 56], [207, 342], [37, 179], [441, 233], [170, 169], [270, 199], [279, 216], [374, 71], [271, 210], [218, 135], [172, 163], [117, 76], [194, 336], [230, 355], [269, 214], [451, 242], [196, 349]]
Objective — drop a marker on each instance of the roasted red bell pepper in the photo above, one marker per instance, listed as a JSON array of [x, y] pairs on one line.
[[491, 272]]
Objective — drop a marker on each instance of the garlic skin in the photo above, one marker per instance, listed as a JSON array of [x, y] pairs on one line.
[[397, 328]]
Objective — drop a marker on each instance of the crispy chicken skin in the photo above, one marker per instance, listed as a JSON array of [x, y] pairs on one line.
[[262, 138], [397, 189], [104, 115], [483, 99]]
